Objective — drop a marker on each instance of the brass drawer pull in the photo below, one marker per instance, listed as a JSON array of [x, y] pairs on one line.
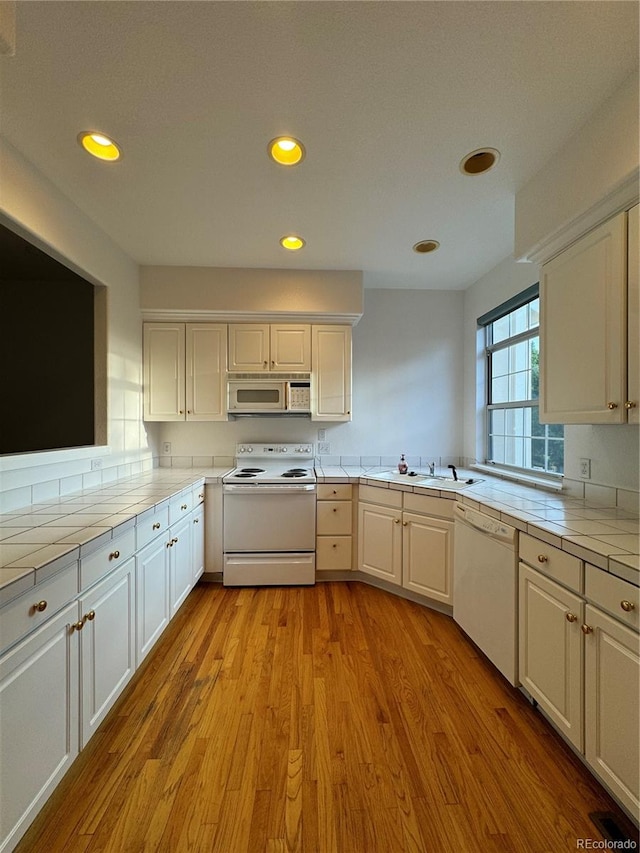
[[156, 526], [630, 404], [571, 617], [542, 558], [91, 615], [40, 607], [334, 545], [396, 521], [196, 520], [114, 555], [184, 506], [77, 626], [405, 523], [170, 544], [612, 406], [586, 629], [627, 606]]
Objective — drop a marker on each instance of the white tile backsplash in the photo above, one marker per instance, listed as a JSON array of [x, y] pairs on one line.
[[604, 495]]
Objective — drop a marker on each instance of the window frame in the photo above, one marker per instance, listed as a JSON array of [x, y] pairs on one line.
[[485, 324]]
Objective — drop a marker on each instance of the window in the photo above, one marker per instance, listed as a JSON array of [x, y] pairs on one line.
[[515, 437]]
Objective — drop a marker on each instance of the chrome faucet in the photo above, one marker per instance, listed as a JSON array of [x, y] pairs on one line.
[[432, 469], [455, 473]]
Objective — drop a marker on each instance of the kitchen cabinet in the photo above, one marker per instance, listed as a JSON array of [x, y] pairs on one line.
[[331, 373], [633, 323], [334, 526], [107, 645], [197, 543], [407, 539], [180, 567], [583, 330], [39, 710], [185, 371], [580, 660], [152, 595], [284, 347]]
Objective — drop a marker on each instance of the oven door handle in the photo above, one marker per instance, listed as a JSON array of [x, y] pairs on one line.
[[268, 489]]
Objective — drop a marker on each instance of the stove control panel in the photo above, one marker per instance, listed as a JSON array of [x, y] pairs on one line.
[[276, 451]]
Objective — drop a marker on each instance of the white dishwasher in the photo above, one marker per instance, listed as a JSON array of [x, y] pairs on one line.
[[485, 586]]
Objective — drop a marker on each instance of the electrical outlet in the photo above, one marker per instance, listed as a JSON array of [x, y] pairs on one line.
[[324, 447], [322, 435], [166, 448], [585, 469], [96, 464]]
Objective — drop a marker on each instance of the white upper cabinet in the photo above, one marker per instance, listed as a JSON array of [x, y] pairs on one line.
[[331, 373], [633, 342], [284, 347], [185, 371], [583, 329]]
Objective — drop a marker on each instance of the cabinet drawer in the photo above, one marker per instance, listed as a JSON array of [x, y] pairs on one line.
[[334, 491], [180, 506], [334, 517], [197, 495], [382, 496], [333, 553], [151, 524], [551, 561], [103, 561], [619, 598], [428, 505], [38, 604]]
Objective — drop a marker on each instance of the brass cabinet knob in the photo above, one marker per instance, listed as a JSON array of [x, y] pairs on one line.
[[183, 506], [612, 405], [334, 545], [77, 626], [201, 497], [114, 555], [627, 606], [571, 617], [170, 544], [196, 520], [335, 492], [156, 526], [396, 521], [40, 607], [265, 363], [542, 558], [586, 629], [630, 404], [91, 615], [180, 412], [174, 540], [335, 509], [404, 523]]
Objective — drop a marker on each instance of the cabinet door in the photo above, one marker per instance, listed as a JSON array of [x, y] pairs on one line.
[[39, 721], [551, 650], [107, 645], [633, 342], [206, 378], [180, 567], [152, 594], [249, 347], [164, 357], [583, 330], [197, 543], [290, 347], [427, 556], [380, 542], [331, 373], [612, 687]]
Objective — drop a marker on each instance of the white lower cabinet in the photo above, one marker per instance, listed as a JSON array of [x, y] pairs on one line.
[[551, 650], [407, 539], [180, 567], [197, 543], [152, 594], [107, 643], [612, 688], [39, 730]]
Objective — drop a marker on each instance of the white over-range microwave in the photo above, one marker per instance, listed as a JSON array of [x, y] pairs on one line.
[[259, 396]]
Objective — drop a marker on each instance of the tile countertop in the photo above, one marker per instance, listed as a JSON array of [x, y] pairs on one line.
[[605, 536], [39, 540]]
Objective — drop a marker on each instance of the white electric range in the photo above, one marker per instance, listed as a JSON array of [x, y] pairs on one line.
[[269, 515]]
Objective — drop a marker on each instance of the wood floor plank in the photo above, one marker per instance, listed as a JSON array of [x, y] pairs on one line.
[[334, 718]]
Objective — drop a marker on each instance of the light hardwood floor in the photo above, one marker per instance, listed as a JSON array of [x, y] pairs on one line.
[[328, 718]]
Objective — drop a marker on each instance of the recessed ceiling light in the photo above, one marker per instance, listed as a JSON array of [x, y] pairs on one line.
[[479, 161], [286, 150], [292, 242], [99, 145], [425, 246]]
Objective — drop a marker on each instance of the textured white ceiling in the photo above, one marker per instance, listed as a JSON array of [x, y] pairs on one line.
[[387, 97]]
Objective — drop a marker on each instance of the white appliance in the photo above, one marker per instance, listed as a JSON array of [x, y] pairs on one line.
[[269, 516], [485, 586], [263, 395]]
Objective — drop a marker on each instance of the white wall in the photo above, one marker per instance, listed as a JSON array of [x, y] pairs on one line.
[[613, 450], [36, 206], [407, 388]]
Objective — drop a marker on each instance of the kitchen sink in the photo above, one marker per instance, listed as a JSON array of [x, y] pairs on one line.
[[426, 480]]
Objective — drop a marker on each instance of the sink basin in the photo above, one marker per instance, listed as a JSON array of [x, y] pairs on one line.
[[423, 480]]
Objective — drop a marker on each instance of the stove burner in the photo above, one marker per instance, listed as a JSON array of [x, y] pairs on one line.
[[245, 474], [252, 470], [294, 473]]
